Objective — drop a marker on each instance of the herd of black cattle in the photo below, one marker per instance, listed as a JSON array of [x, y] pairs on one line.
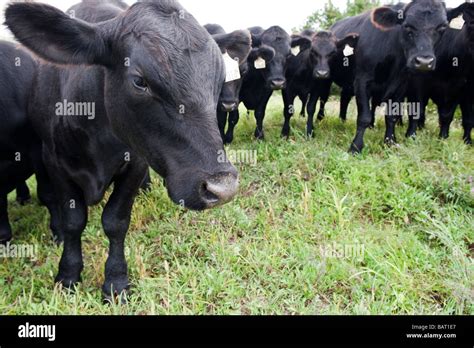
[[158, 81]]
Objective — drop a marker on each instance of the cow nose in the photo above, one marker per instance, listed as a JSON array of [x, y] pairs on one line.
[[322, 74], [425, 63], [220, 188], [229, 106], [278, 84]]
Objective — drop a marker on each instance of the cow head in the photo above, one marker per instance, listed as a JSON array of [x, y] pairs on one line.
[[237, 45], [274, 49], [465, 10], [421, 24], [324, 47], [163, 75]]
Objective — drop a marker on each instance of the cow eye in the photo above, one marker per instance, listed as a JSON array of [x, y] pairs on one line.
[[410, 31], [140, 83]]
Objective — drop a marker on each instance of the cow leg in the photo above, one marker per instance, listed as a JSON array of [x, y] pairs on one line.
[[23, 193], [304, 102], [116, 221], [222, 122], [446, 116], [364, 115], [346, 97], [323, 98], [467, 120], [422, 120], [322, 112], [260, 116], [390, 125], [73, 222], [234, 117], [414, 118], [5, 228], [47, 197], [373, 110], [46, 194], [289, 110], [146, 184], [313, 100]]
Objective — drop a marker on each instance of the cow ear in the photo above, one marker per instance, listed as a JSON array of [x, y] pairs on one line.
[[466, 9], [237, 44], [265, 52], [351, 40], [303, 42], [56, 37], [385, 18]]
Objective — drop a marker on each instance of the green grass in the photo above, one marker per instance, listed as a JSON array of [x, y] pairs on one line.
[[410, 207]]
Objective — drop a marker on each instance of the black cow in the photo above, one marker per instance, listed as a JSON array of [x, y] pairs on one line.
[[153, 76], [451, 84], [267, 66], [18, 141], [309, 71], [393, 45], [304, 99], [237, 45]]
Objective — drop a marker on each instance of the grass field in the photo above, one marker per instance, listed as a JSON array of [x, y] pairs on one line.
[[408, 211]]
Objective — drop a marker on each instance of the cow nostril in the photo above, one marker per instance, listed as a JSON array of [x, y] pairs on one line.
[[220, 189], [207, 195]]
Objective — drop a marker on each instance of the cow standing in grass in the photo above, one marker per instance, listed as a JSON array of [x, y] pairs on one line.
[[237, 46], [309, 71], [451, 84], [153, 76], [20, 148], [395, 42], [267, 66]]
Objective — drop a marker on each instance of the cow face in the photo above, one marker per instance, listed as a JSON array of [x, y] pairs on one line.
[[273, 43], [237, 45], [465, 10], [324, 47], [163, 75], [421, 24]]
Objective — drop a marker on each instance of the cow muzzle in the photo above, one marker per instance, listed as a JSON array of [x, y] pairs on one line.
[[322, 74], [219, 189], [277, 84], [424, 63], [229, 106]]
